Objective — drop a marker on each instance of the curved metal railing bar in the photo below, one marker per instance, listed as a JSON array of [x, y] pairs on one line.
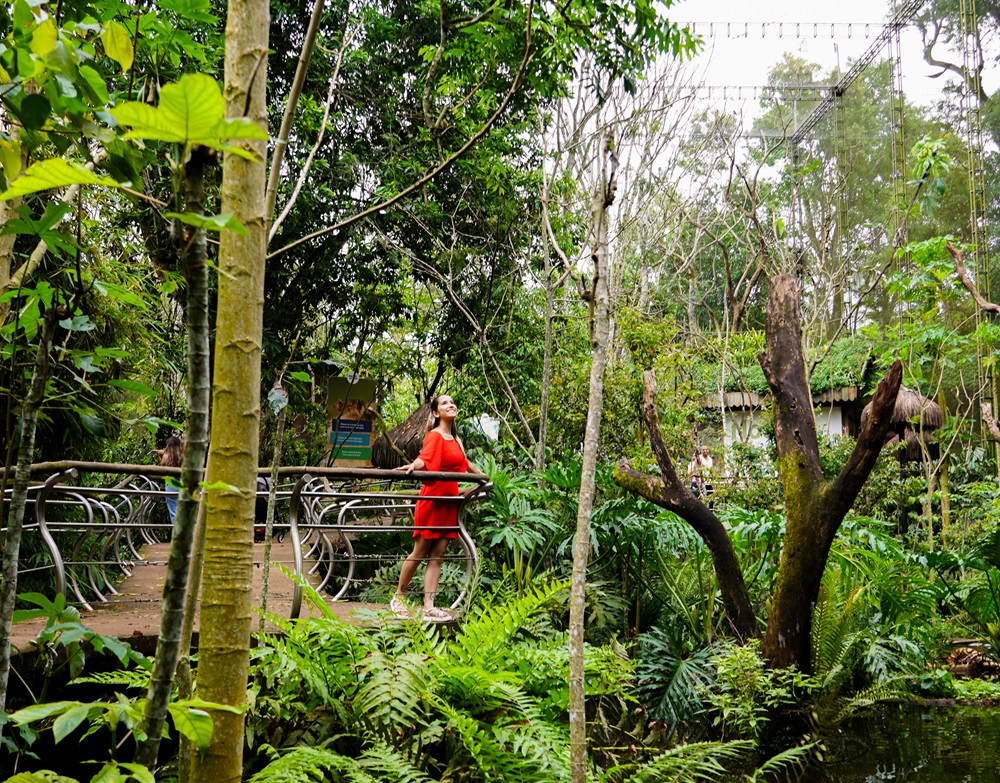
[[43, 530], [293, 524]]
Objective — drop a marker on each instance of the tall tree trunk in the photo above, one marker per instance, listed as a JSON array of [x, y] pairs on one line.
[[600, 308], [169, 645], [814, 508], [226, 607], [22, 478]]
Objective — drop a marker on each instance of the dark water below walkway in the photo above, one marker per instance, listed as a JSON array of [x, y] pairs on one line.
[[916, 744]]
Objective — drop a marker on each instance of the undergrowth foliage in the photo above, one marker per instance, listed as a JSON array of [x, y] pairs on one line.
[[410, 703]]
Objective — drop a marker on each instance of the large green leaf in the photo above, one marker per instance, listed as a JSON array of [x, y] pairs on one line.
[[53, 173], [139, 772], [210, 222], [69, 720], [191, 111], [133, 386], [40, 711], [43, 776], [194, 724], [118, 44]]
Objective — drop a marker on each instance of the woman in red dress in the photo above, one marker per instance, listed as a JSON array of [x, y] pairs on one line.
[[434, 522]]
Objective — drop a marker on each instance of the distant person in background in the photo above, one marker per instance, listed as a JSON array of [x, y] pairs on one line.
[[700, 469], [171, 456], [434, 521], [693, 471]]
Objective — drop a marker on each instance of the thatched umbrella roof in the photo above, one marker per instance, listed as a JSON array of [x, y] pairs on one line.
[[403, 442], [909, 405]]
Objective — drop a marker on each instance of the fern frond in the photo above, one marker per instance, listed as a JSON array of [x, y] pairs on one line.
[[893, 690], [700, 761], [782, 765], [391, 766], [536, 738], [492, 630], [127, 678], [487, 753], [306, 764], [393, 690]]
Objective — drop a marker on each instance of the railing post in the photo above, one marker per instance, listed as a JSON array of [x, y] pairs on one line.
[[43, 528], [293, 524]]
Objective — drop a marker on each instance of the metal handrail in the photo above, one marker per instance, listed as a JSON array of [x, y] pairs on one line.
[[114, 516]]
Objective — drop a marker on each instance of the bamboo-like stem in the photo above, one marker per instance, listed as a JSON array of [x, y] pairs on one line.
[[169, 644]]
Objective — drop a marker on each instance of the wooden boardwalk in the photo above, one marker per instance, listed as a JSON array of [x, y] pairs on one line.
[[134, 614]]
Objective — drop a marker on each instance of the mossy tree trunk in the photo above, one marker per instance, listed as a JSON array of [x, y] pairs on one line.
[[226, 606], [814, 508]]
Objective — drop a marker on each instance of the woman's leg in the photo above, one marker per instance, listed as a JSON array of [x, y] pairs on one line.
[[421, 551], [432, 575]]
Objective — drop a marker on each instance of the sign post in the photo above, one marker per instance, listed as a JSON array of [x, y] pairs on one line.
[[351, 417]]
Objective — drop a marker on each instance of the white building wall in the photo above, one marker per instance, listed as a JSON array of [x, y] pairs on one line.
[[830, 420], [741, 427]]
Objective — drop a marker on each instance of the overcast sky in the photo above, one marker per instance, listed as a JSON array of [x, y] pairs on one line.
[[732, 60]]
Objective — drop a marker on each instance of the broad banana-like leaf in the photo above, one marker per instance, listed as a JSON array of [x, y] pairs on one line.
[[54, 173], [191, 111]]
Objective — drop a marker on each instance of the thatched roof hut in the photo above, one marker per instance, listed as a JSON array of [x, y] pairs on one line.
[[910, 405], [403, 442], [910, 408]]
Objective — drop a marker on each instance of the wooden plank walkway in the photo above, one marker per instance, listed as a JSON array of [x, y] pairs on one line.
[[134, 614]]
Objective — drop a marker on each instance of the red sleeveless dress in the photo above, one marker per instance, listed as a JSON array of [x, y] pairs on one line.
[[439, 454]]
